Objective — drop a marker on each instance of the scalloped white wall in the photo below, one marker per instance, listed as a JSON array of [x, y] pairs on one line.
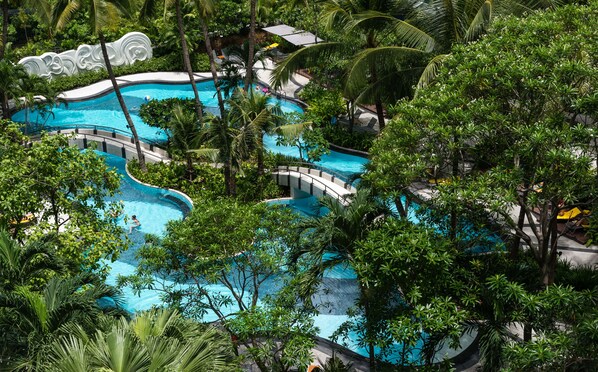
[[134, 46]]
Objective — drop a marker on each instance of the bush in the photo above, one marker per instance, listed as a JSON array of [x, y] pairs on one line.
[[158, 113], [209, 181], [341, 136], [324, 104], [171, 62]]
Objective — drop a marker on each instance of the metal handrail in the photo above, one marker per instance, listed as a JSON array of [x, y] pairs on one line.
[[306, 164], [50, 128], [326, 190]]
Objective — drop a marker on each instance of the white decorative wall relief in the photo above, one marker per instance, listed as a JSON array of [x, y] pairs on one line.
[[130, 48]]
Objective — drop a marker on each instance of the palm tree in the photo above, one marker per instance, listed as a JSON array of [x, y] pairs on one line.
[[185, 136], [31, 319], [102, 14], [237, 59], [157, 340], [11, 77], [206, 11], [20, 265], [393, 35], [251, 45], [226, 145], [253, 111], [338, 233], [146, 13]]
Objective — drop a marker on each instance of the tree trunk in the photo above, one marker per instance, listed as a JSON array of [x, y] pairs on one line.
[[190, 169], [209, 50], [186, 59], [514, 251], [380, 114], [368, 327], [121, 101], [249, 71], [4, 107], [4, 29]]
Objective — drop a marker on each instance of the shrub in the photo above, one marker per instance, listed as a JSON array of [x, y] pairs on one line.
[[171, 62], [158, 113], [324, 104], [341, 136]]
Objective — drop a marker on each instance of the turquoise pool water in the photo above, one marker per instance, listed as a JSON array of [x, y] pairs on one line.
[[153, 209], [104, 111]]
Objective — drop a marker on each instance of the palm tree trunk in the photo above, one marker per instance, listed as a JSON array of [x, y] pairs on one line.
[[4, 107], [4, 28], [209, 50], [249, 72], [380, 114], [121, 101], [186, 59]]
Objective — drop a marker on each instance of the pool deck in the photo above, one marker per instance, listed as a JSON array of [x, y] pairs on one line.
[[147, 77], [577, 254]]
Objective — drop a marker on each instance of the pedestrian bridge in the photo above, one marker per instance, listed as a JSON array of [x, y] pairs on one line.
[[314, 182], [114, 143]]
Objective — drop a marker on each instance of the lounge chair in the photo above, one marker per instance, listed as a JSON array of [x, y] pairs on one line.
[[569, 214], [580, 224]]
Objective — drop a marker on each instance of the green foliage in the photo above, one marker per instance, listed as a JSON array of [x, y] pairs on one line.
[[159, 113], [208, 182], [341, 136], [230, 17], [38, 180], [29, 264], [504, 129], [324, 104], [31, 320], [238, 247], [155, 340]]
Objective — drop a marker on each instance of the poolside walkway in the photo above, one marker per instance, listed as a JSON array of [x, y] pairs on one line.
[[577, 254], [365, 120]]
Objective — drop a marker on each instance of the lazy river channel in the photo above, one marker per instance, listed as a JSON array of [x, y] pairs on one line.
[[154, 207]]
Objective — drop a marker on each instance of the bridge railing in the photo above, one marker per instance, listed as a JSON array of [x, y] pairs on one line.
[[96, 128], [310, 169]]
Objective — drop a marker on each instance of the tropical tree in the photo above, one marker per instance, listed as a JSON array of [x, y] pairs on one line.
[[146, 14], [241, 272], [252, 110], [249, 73], [388, 43], [520, 150], [157, 340], [331, 240], [102, 15], [30, 320], [205, 9], [11, 77], [225, 144], [37, 185], [185, 136], [238, 58], [21, 265]]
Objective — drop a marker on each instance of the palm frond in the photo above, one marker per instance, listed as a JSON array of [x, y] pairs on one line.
[[303, 58], [480, 22], [430, 71], [359, 73], [62, 12]]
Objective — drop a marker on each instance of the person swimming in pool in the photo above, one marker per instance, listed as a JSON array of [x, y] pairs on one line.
[[134, 223]]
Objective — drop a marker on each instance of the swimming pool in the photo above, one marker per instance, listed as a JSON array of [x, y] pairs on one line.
[[153, 209], [104, 112]]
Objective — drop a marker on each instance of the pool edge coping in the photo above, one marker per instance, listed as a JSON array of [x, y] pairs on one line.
[[177, 192]]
